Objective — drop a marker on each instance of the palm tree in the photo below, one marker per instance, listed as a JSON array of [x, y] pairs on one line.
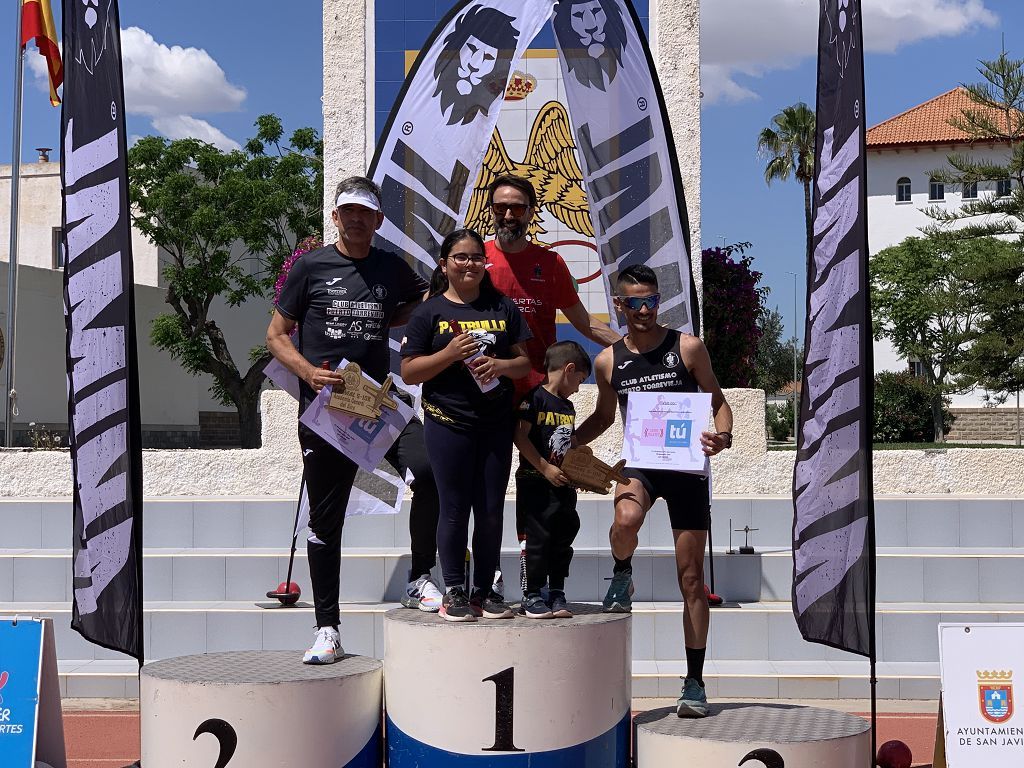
[[788, 144]]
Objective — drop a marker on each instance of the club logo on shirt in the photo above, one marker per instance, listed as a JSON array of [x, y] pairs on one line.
[[538, 274], [670, 360], [379, 292]]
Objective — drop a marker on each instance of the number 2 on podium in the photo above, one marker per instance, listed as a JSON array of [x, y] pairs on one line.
[[504, 696]]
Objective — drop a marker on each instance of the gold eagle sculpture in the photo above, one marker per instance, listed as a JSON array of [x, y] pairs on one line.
[[550, 164]]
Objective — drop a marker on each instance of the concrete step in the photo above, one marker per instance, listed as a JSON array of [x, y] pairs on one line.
[[81, 678], [755, 632], [902, 521], [926, 575]]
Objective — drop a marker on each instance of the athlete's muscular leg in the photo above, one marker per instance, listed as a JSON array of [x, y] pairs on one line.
[[631, 505], [690, 547]]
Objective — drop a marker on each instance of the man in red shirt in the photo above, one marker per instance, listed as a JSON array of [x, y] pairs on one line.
[[535, 278], [539, 282]]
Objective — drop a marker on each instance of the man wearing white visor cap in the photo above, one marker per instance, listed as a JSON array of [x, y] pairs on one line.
[[343, 298]]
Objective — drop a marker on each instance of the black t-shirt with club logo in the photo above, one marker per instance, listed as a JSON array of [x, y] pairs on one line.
[[453, 397], [344, 306], [552, 420]]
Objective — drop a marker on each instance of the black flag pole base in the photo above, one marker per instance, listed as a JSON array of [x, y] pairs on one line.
[[278, 604]]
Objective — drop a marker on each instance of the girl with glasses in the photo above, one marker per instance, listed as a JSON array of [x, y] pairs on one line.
[[465, 345]]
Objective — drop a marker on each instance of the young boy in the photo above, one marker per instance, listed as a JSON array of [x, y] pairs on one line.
[[545, 501]]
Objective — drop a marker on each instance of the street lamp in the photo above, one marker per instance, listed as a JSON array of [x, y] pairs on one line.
[[796, 405]]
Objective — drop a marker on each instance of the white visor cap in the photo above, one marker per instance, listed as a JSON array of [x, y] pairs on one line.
[[358, 197]]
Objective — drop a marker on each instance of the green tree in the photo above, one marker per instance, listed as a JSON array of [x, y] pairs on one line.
[[773, 364], [903, 409], [996, 356], [227, 220], [788, 146], [922, 301]]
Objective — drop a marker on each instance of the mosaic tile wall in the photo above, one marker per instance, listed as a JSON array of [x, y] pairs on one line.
[[401, 29]]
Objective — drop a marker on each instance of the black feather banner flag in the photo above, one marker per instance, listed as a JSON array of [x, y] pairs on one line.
[[833, 527], [99, 308]]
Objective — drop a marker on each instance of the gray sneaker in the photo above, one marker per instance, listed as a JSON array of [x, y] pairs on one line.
[[558, 605], [693, 701], [619, 598], [534, 607]]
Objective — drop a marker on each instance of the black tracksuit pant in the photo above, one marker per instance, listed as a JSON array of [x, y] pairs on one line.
[[550, 522], [329, 474]]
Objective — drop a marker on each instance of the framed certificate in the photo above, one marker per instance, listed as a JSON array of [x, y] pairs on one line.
[[662, 431]]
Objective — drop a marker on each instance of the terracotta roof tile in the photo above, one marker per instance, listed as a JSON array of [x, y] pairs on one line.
[[924, 124]]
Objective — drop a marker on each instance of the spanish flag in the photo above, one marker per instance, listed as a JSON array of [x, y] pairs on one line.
[[37, 24]]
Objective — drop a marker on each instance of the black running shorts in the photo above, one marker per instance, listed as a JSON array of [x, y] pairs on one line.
[[685, 495]]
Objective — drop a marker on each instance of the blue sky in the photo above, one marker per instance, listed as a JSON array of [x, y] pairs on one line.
[[210, 68]]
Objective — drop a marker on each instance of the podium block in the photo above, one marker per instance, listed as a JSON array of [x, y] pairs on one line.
[[260, 708], [512, 692], [755, 736]]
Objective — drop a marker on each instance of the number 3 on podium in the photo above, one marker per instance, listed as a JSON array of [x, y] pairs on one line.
[[504, 696]]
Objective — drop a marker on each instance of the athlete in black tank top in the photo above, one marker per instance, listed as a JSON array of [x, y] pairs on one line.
[[655, 358], [660, 369]]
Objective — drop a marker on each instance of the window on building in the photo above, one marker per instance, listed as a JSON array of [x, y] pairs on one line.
[[916, 368], [57, 248], [1002, 187], [971, 191], [936, 190], [903, 190]]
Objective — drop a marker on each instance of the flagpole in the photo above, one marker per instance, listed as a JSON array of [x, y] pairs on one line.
[[10, 394]]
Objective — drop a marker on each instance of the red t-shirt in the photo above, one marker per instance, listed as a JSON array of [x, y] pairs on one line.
[[539, 282]]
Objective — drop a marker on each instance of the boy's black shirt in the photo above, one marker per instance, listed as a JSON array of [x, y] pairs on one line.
[[552, 422]]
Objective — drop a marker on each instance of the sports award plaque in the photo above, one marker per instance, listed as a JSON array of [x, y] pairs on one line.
[[589, 473]]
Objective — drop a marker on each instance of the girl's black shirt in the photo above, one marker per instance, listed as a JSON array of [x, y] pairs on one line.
[[453, 397]]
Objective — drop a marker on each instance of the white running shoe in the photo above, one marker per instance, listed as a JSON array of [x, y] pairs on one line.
[[422, 594], [498, 586], [326, 647]]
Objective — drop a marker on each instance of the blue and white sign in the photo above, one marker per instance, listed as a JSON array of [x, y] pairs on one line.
[[21, 652], [28, 684]]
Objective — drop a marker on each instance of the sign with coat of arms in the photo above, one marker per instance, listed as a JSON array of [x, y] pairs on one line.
[[979, 663]]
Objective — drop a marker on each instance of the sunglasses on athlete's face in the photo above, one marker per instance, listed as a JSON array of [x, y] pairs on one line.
[[636, 303], [516, 209]]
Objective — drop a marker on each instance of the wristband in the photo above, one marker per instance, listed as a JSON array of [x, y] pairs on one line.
[[728, 438]]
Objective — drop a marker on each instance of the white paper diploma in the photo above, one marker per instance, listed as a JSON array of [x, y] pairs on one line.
[[365, 441], [662, 431]]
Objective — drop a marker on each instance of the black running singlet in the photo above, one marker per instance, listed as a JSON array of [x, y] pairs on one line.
[[658, 370]]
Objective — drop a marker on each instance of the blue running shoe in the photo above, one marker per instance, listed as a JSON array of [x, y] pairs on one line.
[[693, 701], [619, 598]]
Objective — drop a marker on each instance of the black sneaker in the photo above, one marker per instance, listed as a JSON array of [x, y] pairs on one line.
[[490, 605], [534, 607], [558, 605], [455, 606]]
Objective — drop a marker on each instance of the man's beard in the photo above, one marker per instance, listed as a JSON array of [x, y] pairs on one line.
[[509, 232]]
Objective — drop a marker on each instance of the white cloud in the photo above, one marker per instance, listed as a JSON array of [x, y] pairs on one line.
[[748, 38], [171, 80], [168, 84], [188, 127]]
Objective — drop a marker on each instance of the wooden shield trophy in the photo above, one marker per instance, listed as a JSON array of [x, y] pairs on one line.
[[589, 473], [358, 397]]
